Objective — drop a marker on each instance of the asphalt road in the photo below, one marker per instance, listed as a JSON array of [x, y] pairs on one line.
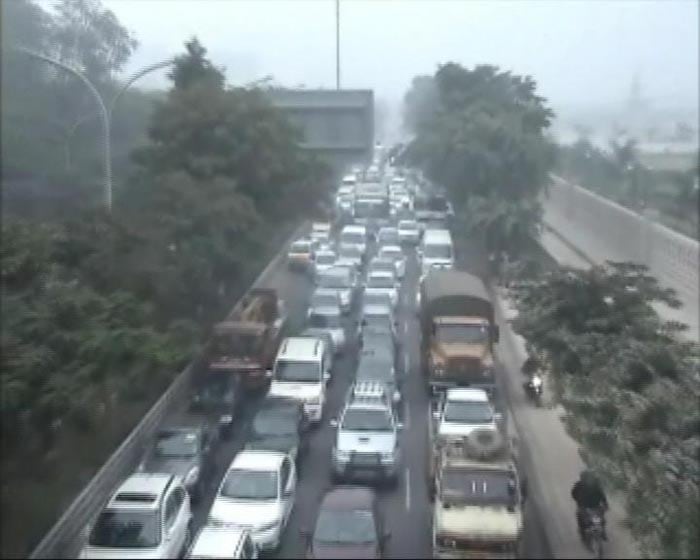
[[406, 508]]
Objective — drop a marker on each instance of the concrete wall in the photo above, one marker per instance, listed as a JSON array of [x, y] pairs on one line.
[[605, 230]]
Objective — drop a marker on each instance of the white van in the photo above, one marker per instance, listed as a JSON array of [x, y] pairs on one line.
[[301, 372], [436, 250]]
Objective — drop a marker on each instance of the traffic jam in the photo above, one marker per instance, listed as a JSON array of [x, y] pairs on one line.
[[348, 409]]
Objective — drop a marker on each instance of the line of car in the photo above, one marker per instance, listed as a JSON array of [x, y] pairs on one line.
[[150, 514]]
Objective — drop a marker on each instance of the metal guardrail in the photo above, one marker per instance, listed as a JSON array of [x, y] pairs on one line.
[[66, 537]]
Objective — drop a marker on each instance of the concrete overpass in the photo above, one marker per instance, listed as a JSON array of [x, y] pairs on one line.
[[338, 125]]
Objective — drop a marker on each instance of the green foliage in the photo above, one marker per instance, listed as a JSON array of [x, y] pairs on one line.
[[480, 134], [101, 310], [630, 389]]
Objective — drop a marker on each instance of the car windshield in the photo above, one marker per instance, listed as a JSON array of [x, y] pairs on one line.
[[408, 226], [352, 238], [468, 412], [340, 527], [477, 487], [464, 334], [124, 528], [176, 444], [376, 298], [334, 281], [300, 247], [392, 253], [275, 422], [350, 251], [366, 420], [297, 371], [324, 320], [241, 484], [434, 251], [324, 300], [325, 258], [380, 281], [377, 321]]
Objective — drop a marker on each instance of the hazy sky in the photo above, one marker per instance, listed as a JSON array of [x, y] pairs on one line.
[[580, 52]]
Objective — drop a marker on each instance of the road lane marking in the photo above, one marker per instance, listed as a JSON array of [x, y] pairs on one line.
[[405, 328], [408, 489], [407, 416], [406, 364]]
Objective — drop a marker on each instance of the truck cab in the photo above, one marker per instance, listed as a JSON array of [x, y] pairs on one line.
[[458, 331], [477, 498]]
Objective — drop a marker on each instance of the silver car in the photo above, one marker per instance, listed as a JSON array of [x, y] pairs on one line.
[[367, 444], [342, 280], [325, 313]]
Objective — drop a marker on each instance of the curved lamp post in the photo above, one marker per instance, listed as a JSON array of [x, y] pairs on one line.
[[105, 112]]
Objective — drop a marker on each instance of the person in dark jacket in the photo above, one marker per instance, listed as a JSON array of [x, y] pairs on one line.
[[588, 493]]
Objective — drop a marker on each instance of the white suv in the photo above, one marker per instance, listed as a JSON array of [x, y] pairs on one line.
[[149, 516], [462, 411], [367, 442], [258, 494], [301, 372]]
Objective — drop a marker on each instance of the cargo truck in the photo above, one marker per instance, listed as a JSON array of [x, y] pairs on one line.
[[458, 332]]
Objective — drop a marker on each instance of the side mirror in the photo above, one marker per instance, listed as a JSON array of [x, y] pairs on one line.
[[399, 425], [326, 376], [333, 422]]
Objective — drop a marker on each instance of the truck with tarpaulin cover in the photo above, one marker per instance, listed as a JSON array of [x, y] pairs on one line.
[[458, 331]]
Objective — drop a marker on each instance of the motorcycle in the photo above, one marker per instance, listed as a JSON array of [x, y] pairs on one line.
[[593, 532], [533, 388]]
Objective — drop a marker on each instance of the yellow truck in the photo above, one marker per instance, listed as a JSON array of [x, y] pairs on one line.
[[477, 497], [458, 332]]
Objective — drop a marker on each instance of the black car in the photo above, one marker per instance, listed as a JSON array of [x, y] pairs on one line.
[[216, 396], [349, 525], [185, 451], [278, 426]]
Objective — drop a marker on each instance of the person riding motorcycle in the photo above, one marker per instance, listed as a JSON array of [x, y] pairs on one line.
[[588, 493]]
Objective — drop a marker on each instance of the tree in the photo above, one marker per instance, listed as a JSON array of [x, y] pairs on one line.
[[419, 102], [626, 382], [483, 140]]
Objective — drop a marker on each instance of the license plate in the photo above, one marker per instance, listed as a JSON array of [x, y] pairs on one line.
[[366, 459]]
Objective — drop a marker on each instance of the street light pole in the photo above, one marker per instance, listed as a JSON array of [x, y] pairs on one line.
[[104, 116], [104, 111], [337, 44]]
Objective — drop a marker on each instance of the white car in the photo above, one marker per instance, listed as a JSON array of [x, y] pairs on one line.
[[148, 516], [385, 282], [354, 235], [325, 313], [325, 259], [395, 254], [321, 232], [350, 255], [344, 281], [223, 542], [388, 236], [464, 410], [301, 372], [257, 493], [409, 232]]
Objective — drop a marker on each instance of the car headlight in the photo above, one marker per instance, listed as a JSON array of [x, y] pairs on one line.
[[344, 298], [192, 476]]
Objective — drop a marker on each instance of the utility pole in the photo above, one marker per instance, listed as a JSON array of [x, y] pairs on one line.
[[337, 44]]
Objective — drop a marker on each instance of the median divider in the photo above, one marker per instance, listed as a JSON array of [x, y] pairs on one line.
[[67, 536]]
